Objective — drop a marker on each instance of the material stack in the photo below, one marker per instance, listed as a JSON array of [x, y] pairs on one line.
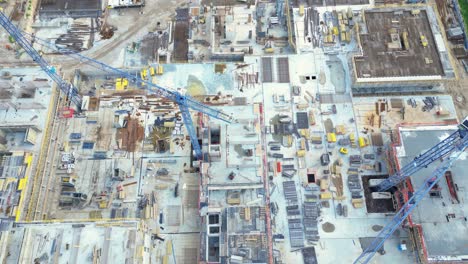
[[294, 215], [311, 214], [355, 160]]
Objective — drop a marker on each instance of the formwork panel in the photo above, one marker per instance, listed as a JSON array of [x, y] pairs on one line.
[[267, 71], [283, 70]]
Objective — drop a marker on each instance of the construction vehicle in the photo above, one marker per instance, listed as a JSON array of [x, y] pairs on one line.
[[185, 102], [448, 150], [424, 42], [344, 151]]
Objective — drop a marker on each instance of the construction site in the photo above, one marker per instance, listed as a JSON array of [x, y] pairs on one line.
[[232, 132]]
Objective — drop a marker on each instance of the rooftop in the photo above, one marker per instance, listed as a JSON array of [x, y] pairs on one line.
[[392, 38], [52, 5], [71, 243], [444, 236], [75, 9]]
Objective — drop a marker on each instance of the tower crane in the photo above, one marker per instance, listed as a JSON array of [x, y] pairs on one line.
[[185, 102], [448, 150], [66, 87]]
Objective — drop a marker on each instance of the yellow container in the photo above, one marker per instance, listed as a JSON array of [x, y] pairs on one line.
[[22, 184], [302, 143], [324, 184], [169, 247], [362, 142], [331, 137], [326, 196], [160, 70], [301, 153], [121, 84], [169, 124], [335, 31], [143, 74]]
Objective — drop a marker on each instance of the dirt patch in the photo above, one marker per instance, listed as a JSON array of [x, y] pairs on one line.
[[328, 227]]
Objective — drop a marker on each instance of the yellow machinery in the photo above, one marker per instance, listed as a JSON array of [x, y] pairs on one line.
[[340, 129], [302, 144], [121, 84], [363, 142], [301, 153], [404, 36], [152, 71], [352, 138], [301, 10], [325, 195], [344, 151], [144, 75], [424, 41], [357, 203], [331, 137], [159, 69], [103, 204]]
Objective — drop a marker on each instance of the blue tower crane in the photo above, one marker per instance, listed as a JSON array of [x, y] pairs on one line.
[[439, 151], [185, 102], [66, 87], [449, 150]]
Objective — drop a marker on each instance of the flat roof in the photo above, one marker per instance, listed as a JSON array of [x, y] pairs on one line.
[[72, 242], [412, 59], [60, 5], [443, 237], [344, 2]]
